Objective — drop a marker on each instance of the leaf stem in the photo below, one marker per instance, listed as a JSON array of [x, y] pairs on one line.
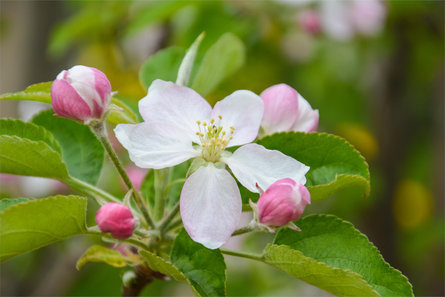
[[90, 190], [243, 255], [161, 179], [164, 223], [101, 133]]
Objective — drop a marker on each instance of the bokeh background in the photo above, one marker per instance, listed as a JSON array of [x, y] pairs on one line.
[[375, 71]]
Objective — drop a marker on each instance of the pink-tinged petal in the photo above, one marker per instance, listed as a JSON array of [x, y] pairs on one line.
[[103, 86], [115, 218], [175, 105], [242, 110], [67, 103], [154, 145], [283, 202], [82, 79], [210, 206], [280, 108], [252, 164], [307, 119]]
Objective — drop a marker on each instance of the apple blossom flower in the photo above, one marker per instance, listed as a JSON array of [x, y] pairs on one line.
[[283, 202], [115, 218], [179, 125], [81, 93], [286, 110]]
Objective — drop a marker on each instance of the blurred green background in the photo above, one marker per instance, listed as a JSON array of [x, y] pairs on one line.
[[381, 89]]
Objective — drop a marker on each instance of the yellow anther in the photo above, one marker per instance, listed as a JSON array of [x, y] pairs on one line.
[[198, 122], [197, 133], [220, 117], [230, 138], [212, 120], [204, 124], [223, 132], [232, 128]]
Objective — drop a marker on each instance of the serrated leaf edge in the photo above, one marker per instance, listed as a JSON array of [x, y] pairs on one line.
[[364, 238], [286, 247]]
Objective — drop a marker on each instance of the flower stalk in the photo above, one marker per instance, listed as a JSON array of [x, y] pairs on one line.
[[101, 133]]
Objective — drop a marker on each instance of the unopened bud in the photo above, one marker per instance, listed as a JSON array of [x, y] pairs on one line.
[[286, 110], [283, 202], [116, 219], [81, 93]]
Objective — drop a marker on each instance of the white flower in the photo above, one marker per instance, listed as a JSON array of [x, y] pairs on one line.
[[180, 125]]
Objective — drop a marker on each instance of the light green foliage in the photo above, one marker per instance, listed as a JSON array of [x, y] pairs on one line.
[[157, 263], [336, 243], [29, 131], [334, 163], [204, 268], [33, 158], [7, 202], [221, 60], [81, 150], [162, 65], [126, 116], [98, 253], [27, 226], [38, 92], [336, 281]]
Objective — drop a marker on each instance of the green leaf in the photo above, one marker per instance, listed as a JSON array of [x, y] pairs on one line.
[[157, 263], [40, 92], [98, 253], [31, 225], [162, 65], [81, 150], [126, 116], [28, 130], [22, 156], [204, 268], [7, 202], [334, 163], [220, 61], [331, 254], [186, 67]]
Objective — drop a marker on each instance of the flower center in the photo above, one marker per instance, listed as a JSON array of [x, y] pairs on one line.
[[214, 139]]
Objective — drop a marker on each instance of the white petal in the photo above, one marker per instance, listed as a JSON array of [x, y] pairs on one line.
[[153, 145], [336, 20], [307, 119], [210, 206], [252, 163], [176, 105], [242, 110]]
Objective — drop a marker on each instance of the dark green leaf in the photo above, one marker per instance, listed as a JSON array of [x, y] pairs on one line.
[[27, 226], [81, 150], [204, 268], [329, 240], [334, 163]]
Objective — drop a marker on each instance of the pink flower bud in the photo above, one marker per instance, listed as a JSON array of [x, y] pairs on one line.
[[286, 110], [116, 219], [368, 17], [310, 21], [81, 93], [283, 202]]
